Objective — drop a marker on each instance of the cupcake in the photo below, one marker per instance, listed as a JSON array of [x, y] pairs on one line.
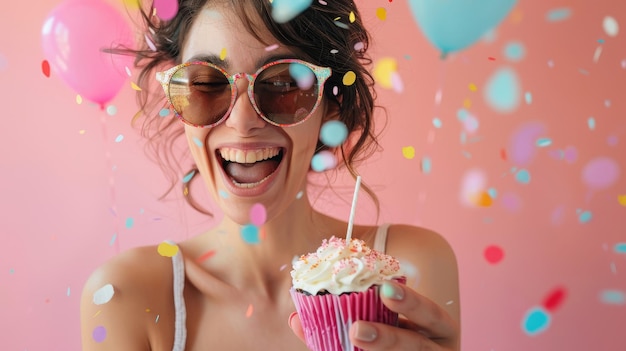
[[336, 286]]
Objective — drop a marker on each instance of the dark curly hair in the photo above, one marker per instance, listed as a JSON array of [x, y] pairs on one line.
[[331, 34]]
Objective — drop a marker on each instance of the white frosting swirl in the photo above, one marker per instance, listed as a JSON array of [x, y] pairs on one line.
[[339, 268]]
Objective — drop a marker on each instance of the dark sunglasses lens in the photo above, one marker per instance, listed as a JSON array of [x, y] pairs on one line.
[[200, 94], [286, 93]]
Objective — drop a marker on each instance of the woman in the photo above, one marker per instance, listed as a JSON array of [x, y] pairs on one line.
[[253, 145]]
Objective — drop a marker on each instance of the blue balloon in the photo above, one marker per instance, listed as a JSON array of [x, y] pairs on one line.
[[452, 25]]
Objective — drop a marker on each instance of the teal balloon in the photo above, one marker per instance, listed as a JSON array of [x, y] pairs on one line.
[[453, 25]]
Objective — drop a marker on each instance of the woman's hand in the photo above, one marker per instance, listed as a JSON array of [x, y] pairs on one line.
[[427, 326]]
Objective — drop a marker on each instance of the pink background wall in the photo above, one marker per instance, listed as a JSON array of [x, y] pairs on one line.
[[65, 166]]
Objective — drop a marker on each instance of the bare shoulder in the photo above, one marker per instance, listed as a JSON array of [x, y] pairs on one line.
[[121, 298], [430, 264]]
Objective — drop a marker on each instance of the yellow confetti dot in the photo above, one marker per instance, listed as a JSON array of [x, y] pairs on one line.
[[81, 132], [349, 78], [408, 152], [167, 250], [147, 310], [473, 87], [467, 103], [186, 191], [352, 17], [135, 86], [131, 4], [79, 99], [223, 54], [622, 200], [381, 13], [384, 70], [97, 314]]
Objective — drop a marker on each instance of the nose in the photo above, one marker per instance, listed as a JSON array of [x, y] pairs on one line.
[[243, 117]]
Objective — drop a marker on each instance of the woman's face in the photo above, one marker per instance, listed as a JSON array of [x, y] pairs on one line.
[[245, 160]]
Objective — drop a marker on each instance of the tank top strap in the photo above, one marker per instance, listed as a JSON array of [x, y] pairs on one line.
[[180, 328], [380, 238]]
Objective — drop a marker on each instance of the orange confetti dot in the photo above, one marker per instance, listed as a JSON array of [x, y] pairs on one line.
[[503, 154], [135, 86], [467, 103], [622, 200], [381, 13], [45, 68], [249, 311], [205, 256], [483, 199]]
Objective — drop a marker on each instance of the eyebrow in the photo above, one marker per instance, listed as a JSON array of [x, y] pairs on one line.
[[216, 60]]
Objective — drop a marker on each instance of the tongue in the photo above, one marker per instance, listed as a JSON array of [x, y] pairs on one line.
[[250, 172]]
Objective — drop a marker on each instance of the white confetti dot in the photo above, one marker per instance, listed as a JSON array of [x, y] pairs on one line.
[[103, 295], [610, 25]]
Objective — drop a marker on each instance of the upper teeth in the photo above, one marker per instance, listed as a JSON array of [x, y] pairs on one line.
[[248, 156]]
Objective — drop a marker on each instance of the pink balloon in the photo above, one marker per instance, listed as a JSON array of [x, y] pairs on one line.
[[166, 9], [73, 36]]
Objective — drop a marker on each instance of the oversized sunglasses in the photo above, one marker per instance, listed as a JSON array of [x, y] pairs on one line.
[[284, 92]]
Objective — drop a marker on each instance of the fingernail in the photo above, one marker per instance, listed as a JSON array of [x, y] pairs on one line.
[[392, 291], [365, 332], [293, 314]]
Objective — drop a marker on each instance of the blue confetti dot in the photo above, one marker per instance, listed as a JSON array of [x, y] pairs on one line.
[[164, 112], [119, 138], [528, 97], [437, 122], [502, 92], [536, 321], [559, 14], [584, 217], [223, 194], [333, 133], [197, 141], [591, 123], [250, 234], [322, 161], [188, 176], [612, 297], [462, 114], [601, 41], [514, 51], [130, 222], [304, 77], [285, 10], [543, 142], [523, 176], [111, 110], [112, 241], [620, 248], [426, 165], [493, 193], [12, 271]]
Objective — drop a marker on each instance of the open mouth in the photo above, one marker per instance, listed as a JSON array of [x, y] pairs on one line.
[[249, 168]]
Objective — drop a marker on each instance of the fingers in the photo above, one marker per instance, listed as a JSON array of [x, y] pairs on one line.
[[296, 327], [423, 314], [376, 336]]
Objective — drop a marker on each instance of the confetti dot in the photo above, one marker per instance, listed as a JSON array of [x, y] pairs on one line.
[[473, 183], [167, 249], [304, 77], [285, 10], [223, 194], [333, 133], [437, 122], [543, 142], [130, 222], [197, 141], [99, 334], [189, 176], [134, 86], [559, 14], [610, 26], [272, 47], [79, 99], [613, 297], [554, 299], [511, 202], [426, 165], [258, 214], [472, 87], [349, 78], [591, 123], [323, 161], [493, 254], [621, 199], [352, 17], [536, 321], [528, 97], [383, 71], [45, 68], [205, 256], [249, 311], [164, 112], [119, 138], [408, 152], [502, 91], [250, 234], [514, 51], [523, 150], [522, 176], [483, 199], [103, 295], [112, 241], [381, 13], [111, 110], [223, 54], [584, 216], [166, 9], [299, 194], [600, 173], [620, 248]]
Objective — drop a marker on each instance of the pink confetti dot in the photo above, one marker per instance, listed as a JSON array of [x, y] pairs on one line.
[[258, 214], [600, 173], [493, 254], [166, 9]]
